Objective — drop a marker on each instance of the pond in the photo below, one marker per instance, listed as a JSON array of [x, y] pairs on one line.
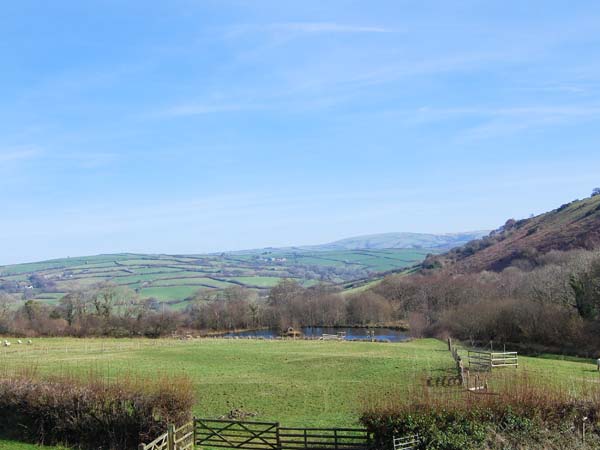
[[388, 334]]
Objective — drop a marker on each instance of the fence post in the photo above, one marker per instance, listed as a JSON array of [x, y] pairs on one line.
[[194, 431], [278, 436], [450, 344], [170, 437]]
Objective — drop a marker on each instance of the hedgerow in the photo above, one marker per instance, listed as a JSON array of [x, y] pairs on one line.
[[93, 413]]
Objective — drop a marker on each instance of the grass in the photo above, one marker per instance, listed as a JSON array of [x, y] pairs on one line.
[[258, 281], [13, 445], [169, 293], [299, 383]]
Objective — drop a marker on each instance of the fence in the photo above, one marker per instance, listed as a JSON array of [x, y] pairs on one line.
[[486, 361], [236, 434], [323, 438], [410, 442], [174, 439], [246, 435]]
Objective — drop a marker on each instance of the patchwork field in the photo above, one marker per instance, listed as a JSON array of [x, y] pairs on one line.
[[174, 278]]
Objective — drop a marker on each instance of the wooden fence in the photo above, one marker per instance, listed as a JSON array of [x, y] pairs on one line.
[[247, 435], [174, 439], [486, 361], [236, 434], [324, 439], [410, 442]]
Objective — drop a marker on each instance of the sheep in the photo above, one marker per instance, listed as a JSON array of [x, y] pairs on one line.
[[29, 342], [19, 341], [6, 343]]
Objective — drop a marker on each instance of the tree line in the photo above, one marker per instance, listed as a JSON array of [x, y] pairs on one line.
[[107, 309], [545, 301]]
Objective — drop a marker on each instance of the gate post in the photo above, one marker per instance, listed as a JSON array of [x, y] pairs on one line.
[[194, 431], [278, 436], [171, 437]]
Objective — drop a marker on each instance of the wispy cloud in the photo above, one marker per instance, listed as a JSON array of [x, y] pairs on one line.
[[306, 28], [197, 109], [508, 121], [326, 27], [18, 154]]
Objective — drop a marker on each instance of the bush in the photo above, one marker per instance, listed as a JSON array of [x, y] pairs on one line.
[[519, 414], [93, 413]]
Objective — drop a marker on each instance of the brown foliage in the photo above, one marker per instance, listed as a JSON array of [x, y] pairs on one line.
[[91, 413]]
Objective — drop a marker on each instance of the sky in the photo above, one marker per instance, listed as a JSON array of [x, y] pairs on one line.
[[194, 126]]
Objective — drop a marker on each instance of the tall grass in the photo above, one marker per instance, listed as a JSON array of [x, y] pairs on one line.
[[91, 411]]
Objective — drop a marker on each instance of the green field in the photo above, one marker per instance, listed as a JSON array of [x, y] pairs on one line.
[[306, 383], [174, 278], [299, 383]]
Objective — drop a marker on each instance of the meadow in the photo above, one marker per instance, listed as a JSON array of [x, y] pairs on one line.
[[298, 383], [295, 382]]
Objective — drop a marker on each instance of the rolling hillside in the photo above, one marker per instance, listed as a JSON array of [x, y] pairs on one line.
[[173, 278], [574, 225]]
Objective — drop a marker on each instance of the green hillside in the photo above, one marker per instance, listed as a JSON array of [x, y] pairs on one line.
[[173, 278]]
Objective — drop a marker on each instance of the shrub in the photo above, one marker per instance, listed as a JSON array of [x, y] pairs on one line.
[[93, 413], [521, 412]]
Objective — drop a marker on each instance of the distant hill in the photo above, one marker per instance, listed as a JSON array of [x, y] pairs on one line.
[[174, 278], [574, 225], [400, 240]]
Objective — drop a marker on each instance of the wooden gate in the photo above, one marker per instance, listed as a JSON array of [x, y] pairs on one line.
[[246, 435], [324, 439], [235, 434]]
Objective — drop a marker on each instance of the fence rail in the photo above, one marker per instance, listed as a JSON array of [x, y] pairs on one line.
[[236, 434], [160, 443], [247, 435], [488, 360], [324, 439], [410, 442]]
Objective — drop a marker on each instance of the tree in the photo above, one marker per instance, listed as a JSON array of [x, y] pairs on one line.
[[596, 191], [586, 287]]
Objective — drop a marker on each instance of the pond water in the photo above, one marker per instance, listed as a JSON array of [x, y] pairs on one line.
[[316, 332]]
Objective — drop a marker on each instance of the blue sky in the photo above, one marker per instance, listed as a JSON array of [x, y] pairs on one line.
[[195, 126]]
